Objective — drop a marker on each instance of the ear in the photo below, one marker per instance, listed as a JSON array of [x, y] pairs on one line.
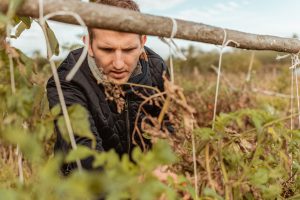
[[86, 40], [143, 52], [143, 40]]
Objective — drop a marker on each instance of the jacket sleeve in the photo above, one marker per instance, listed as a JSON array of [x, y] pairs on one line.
[[72, 95]]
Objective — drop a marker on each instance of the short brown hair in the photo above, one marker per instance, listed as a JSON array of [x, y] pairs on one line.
[[126, 4]]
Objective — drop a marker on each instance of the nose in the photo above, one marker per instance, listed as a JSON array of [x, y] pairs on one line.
[[118, 61]]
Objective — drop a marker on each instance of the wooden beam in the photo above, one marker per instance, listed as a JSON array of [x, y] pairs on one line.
[[106, 17]]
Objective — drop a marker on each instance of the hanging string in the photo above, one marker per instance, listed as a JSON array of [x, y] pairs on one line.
[[84, 53], [295, 64], [10, 57], [225, 44], [58, 85], [292, 97], [294, 80], [173, 48]]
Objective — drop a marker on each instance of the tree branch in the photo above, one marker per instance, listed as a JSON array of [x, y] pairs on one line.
[[106, 17]]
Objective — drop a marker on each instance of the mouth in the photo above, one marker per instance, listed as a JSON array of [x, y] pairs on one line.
[[118, 75]]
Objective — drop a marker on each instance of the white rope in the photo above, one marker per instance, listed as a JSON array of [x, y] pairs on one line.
[[195, 163], [173, 33], [294, 75], [292, 112], [282, 57], [225, 44], [292, 68], [292, 97], [11, 64], [174, 28], [295, 64], [58, 85], [173, 47], [85, 48]]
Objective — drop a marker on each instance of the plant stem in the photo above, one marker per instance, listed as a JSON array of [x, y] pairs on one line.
[[210, 181], [164, 109], [225, 176]]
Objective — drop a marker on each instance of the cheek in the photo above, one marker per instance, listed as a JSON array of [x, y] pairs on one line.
[[102, 61], [133, 60], [100, 65]]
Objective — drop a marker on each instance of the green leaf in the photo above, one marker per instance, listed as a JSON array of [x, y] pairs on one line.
[[113, 159], [24, 23], [21, 27], [126, 164], [63, 129], [27, 21], [80, 124], [296, 135], [208, 192], [54, 45], [28, 144], [137, 154], [204, 133], [233, 155], [80, 153], [9, 194], [81, 185], [45, 130], [163, 152], [153, 189], [100, 159], [272, 192], [260, 177], [56, 110], [49, 170]]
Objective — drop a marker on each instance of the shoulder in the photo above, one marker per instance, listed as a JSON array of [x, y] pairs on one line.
[[65, 67], [68, 63], [155, 60], [157, 67]]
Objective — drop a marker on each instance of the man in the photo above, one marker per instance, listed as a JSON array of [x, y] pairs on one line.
[[118, 58]]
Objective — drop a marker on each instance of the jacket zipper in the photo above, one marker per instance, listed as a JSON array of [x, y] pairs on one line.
[[127, 125]]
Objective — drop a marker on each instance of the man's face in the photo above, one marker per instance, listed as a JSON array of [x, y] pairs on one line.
[[116, 53]]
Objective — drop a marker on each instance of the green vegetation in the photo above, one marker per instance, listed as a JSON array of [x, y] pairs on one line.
[[251, 153]]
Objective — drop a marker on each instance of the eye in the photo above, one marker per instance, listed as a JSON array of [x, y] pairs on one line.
[[129, 50], [108, 50]]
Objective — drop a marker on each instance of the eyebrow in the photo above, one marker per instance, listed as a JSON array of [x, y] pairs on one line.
[[131, 47], [109, 47]]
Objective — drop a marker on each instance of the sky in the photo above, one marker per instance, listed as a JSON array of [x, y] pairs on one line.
[[271, 17]]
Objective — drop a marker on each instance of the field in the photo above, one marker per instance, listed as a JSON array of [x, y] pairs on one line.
[[251, 150]]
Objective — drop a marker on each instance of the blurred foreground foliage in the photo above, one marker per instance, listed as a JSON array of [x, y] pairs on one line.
[[251, 153]]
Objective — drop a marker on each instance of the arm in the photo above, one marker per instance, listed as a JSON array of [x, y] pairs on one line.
[[72, 95]]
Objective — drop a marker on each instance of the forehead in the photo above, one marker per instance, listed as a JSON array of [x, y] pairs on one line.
[[115, 38]]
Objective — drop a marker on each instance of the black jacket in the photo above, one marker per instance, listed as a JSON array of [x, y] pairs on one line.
[[111, 129]]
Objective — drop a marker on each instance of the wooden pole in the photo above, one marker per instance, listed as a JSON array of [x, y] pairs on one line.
[[112, 18]]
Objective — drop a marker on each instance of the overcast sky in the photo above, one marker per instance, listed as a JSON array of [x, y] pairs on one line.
[[272, 17]]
